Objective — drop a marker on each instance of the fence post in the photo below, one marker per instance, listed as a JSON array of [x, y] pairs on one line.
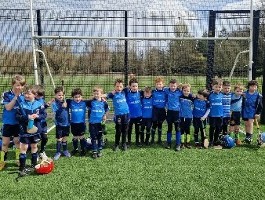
[[126, 67], [210, 51], [40, 47], [256, 19]]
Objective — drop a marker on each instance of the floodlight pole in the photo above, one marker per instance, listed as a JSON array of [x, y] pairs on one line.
[[250, 42], [35, 67]]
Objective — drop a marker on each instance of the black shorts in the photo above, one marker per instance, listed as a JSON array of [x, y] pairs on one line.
[[30, 140], [78, 129], [172, 116], [226, 121], [185, 122], [122, 119], [215, 121], [11, 130], [159, 114], [95, 131], [146, 122], [137, 120], [198, 123], [62, 131], [235, 118]]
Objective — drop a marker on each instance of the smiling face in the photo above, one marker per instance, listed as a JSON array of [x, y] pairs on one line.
[[173, 86], [134, 87], [59, 96], [97, 94], [217, 88], [29, 96], [17, 87], [186, 91], [226, 89], [252, 88], [118, 87], [77, 98], [159, 85], [239, 91]]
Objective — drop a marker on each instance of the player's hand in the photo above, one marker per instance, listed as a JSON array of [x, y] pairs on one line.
[[257, 117], [33, 116], [64, 105], [17, 91], [202, 118]]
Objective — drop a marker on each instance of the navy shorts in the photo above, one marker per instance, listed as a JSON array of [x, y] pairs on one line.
[[235, 118], [172, 116], [11, 130], [122, 119], [215, 121], [136, 120], [78, 129], [62, 131], [185, 123], [95, 131], [226, 121], [30, 140], [146, 122], [159, 114]]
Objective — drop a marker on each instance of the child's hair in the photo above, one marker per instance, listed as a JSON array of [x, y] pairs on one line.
[[185, 85], [59, 89], [39, 90], [31, 89], [133, 80], [253, 82], [217, 81], [204, 93], [159, 79], [147, 89], [76, 91], [18, 78], [226, 83], [239, 86], [118, 80], [180, 86], [98, 89], [173, 81]]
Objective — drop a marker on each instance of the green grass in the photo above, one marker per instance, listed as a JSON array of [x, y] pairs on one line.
[[144, 173]]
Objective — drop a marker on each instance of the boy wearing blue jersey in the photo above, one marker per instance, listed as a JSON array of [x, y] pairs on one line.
[[30, 114], [121, 114], [173, 107], [44, 138], [159, 109], [186, 107], [200, 112], [98, 109], [147, 107], [62, 122], [226, 106], [251, 108], [133, 97], [10, 123], [236, 108], [215, 99], [77, 108]]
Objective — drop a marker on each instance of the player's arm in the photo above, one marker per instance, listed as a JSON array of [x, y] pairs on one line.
[[9, 104]]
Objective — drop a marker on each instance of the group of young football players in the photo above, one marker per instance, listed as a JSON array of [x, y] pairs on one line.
[[24, 116]]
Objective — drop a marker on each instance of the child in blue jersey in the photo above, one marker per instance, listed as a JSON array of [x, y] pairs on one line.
[[251, 108], [133, 97], [173, 107], [147, 107], [10, 123], [159, 111], [44, 138], [186, 107], [236, 107], [77, 109], [201, 109], [62, 122], [121, 114], [226, 106], [98, 109], [30, 111], [215, 99]]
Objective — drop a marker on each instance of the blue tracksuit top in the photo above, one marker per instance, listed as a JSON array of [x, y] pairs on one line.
[[216, 104], [186, 106], [119, 103], [147, 107], [62, 116], [9, 116], [29, 108], [226, 104], [250, 105], [77, 111], [97, 109], [159, 98], [200, 107], [134, 102], [236, 103], [173, 99]]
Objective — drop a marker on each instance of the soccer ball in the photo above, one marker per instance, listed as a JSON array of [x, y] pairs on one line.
[[45, 167], [228, 142]]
